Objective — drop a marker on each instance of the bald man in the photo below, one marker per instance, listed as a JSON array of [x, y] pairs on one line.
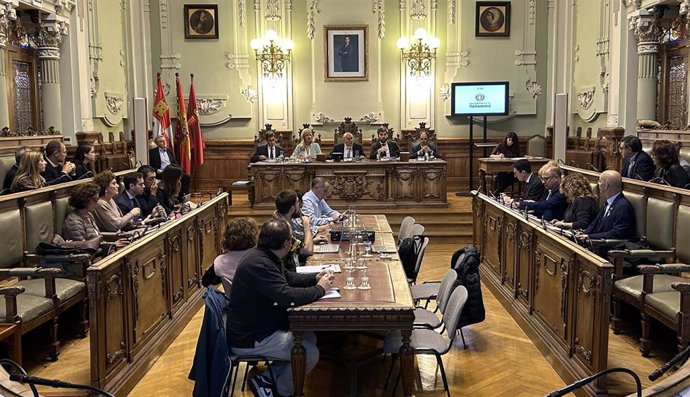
[[616, 218], [348, 148]]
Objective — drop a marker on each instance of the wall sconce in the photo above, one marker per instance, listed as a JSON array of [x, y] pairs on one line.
[[272, 53], [419, 53]]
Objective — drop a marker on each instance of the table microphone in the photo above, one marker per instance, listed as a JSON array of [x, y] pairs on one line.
[[578, 384], [35, 380]]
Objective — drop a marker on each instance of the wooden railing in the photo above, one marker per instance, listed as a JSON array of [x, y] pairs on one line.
[[141, 297], [556, 290]]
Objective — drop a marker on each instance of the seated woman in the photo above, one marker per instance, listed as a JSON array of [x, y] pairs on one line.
[[668, 168], [108, 216], [169, 188], [307, 148], [509, 148], [582, 208], [240, 236], [29, 173], [80, 225], [85, 160]]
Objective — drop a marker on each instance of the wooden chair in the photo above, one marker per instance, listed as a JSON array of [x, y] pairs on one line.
[[411, 138], [347, 126], [391, 135], [298, 138], [536, 146]]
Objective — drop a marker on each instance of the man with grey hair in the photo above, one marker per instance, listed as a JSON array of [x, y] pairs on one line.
[[349, 149], [12, 172], [314, 204], [616, 218]]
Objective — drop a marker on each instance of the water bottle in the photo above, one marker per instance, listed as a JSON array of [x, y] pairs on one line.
[[426, 156]]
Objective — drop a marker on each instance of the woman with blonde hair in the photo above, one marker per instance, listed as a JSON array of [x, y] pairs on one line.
[[582, 208], [307, 148], [29, 173], [108, 215]]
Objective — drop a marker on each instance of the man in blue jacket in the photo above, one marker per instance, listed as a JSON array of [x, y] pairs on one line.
[[555, 203], [262, 291]]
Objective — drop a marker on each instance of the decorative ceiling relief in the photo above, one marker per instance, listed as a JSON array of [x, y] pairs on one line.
[[370, 117], [377, 8], [585, 100], [249, 93], [418, 10], [113, 102], [313, 10], [272, 10], [533, 88], [319, 117], [444, 92]]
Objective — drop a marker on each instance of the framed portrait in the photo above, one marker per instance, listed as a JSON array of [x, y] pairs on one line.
[[200, 21], [492, 18], [346, 51]]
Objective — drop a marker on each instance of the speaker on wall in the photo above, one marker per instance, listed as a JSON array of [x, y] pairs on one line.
[[141, 130], [560, 125]]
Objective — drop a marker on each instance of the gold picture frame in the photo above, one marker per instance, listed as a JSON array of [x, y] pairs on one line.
[[200, 21], [346, 52], [492, 19]]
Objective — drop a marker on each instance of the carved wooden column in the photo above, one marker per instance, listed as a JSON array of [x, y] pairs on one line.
[[647, 34], [6, 13], [48, 40]]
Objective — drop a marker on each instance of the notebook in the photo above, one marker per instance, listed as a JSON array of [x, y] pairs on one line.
[[326, 248], [383, 250]]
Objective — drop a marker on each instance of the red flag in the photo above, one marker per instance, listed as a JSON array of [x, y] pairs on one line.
[[161, 111], [184, 154], [197, 139]]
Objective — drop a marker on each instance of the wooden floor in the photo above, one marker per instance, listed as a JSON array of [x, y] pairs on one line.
[[500, 359]]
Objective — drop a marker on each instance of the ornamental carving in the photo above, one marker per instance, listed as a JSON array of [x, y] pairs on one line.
[[113, 288], [209, 106], [118, 355], [48, 53], [533, 88], [272, 10], [242, 10], [163, 13], [586, 283], [249, 94], [322, 118], [350, 187], [418, 10], [444, 92], [114, 103], [645, 29], [4, 27], [582, 352], [377, 8], [50, 34], [452, 6], [313, 10], [585, 99], [370, 117]]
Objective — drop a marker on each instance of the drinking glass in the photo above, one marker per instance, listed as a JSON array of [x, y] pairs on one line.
[[361, 264], [349, 263], [367, 249], [349, 280], [364, 280]]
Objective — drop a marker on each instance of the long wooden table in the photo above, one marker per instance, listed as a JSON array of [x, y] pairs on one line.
[[492, 166], [557, 291], [386, 306], [367, 183]]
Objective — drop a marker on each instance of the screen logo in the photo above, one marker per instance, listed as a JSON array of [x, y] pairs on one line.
[[479, 97]]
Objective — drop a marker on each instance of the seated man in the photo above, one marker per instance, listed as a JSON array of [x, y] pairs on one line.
[[522, 169], [314, 204], [57, 169], [555, 203], [148, 200], [161, 156], [424, 147], [262, 291], [638, 164], [269, 151], [287, 209], [134, 186], [349, 149], [616, 218], [12, 172], [383, 148]]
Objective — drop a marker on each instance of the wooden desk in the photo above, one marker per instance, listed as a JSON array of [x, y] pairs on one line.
[[380, 184], [558, 292], [386, 306], [492, 166], [9, 333]]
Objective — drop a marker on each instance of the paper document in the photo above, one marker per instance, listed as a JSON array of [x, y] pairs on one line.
[[334, 267], [332, 293]]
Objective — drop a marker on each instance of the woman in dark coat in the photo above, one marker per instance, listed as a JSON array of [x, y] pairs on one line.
[[84, 160], [509, 148], [668, 168], [169, 188], [582, 208]]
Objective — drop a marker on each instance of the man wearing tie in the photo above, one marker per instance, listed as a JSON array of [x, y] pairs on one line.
[[383, 148], [616, 218], [348, 148], [269, 151], [637, 164], [134, 186], [522, 170], [555, 204]]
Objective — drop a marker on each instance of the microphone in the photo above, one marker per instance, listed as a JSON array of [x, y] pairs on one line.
[[670, 364], [592, 167], [87, 174], [560, 161], [35, 380], [638, 176], [660, 181], [543, 223], [576, 385]]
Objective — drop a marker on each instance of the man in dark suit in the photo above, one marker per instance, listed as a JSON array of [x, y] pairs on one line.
[[12, 172], [522, 169], [555, 203], [134, 186], [424, 147], [148, 200], [349, 149], [269, 151], [638, 164], [161, 156], [57, 169], [383, 148]]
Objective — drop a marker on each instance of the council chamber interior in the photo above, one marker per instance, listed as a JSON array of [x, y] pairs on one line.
[[508, 183]]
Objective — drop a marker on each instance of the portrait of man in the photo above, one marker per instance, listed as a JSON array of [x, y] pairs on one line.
[[348, 54], [493, 19], [201, 21], [345, 50]]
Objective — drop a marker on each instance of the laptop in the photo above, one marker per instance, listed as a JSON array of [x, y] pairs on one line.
[[326, 248]]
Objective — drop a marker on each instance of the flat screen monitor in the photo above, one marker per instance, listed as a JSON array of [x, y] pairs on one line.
[[489, 98]]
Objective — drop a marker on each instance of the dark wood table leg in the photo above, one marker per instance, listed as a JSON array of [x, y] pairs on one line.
[[16, 349], [482, 181], [298, 364], [407, 363]]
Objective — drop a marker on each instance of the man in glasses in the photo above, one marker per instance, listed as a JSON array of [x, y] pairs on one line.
[[269, 151], [555, 203]]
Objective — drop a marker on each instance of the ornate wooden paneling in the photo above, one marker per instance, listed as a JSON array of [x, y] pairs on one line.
[[131, 294], [563, 291]]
